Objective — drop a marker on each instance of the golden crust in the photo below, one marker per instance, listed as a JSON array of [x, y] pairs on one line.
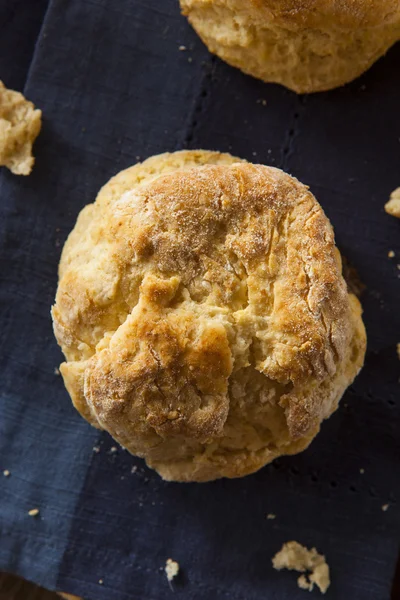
[[307, 46], [203, 315], [20, 125]]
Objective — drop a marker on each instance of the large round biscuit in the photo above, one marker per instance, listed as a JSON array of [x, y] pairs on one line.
[[307, 46], [203, 315]]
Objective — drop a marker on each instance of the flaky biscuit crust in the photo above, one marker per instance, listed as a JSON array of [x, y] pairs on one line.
[[203, 315], [20, 124], [307, 46]]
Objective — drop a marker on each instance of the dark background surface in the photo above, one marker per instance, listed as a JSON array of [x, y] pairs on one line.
[[113, 86]]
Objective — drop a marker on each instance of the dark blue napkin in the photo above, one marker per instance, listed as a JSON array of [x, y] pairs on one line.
[[114, 86]]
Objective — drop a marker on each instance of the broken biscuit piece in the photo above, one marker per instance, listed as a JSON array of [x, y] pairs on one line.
[[393, 206], [295, 557], [171, 569], [20, 123]]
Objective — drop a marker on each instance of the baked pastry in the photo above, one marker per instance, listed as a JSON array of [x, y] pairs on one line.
[[203, 315], [307, 46], [20, 124]]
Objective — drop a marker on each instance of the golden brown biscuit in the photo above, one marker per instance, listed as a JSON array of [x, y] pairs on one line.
[[307, 45], [203, 315], [20, 125]]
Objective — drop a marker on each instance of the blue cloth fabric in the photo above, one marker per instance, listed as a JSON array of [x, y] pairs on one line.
[[114, 86]]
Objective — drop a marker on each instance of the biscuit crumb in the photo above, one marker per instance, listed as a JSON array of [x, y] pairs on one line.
[[56, 371], [20, 123], [96, 449], [393, 206], [271, 516], [33, 512], [385, 507], [171, 569], [391, 254], [101, 581], [295, 557], [398, 350], [362, 471], [134, 469], [6, 473], [190, 59], [182, 48], [113, 449]]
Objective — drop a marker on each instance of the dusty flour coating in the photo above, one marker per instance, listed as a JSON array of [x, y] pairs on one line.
[[203, 315], [295, 557], [20, 125]]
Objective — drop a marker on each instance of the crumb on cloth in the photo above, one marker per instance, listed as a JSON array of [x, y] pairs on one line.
[[393, 206], [33, 512], [20, 124], [171, 569], [295, 557]]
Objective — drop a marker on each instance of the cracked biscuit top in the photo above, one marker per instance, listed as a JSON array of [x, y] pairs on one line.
[[203, 315]]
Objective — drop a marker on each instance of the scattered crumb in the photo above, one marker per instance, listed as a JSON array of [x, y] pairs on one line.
[[20, 124], [398, 350], [96, 449], [137, 157], [182, 48], [385, 507], [254, 153], [57, 371], [262, 101], [295, 557], [101, 581], [190, 59], [113, 449], [6, 473], [134, 469], [33, 512], [362, 471], [171, 569], [391, 254], [393, 206], [271, 516]]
